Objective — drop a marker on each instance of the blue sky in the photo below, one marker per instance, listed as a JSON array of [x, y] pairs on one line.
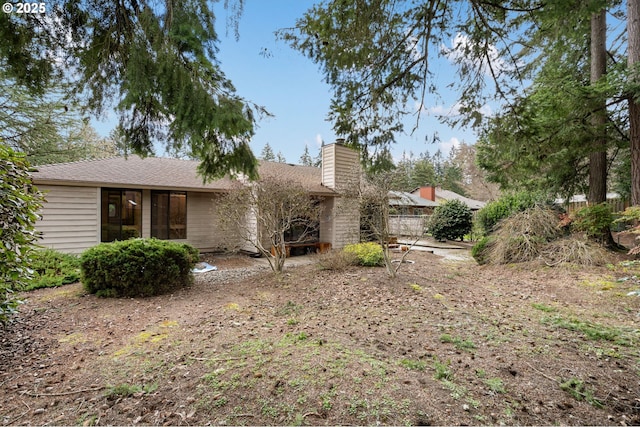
[[291, 87]]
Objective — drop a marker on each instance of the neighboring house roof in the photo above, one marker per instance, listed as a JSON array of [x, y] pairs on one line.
[[441, 194], [164, 173], [451, 195], [581, 198], [401, 198]]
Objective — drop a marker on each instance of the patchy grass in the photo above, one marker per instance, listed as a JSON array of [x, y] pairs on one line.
[[514, 344]]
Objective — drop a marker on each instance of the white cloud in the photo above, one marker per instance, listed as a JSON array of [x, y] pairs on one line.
[[460, 53], [318, 140], [451, 111], [445, 147]]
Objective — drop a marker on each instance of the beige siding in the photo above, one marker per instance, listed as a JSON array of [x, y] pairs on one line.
[[70, 218], [328, 165], [340, 171], [326, 220], [346, 223], [203, 231]]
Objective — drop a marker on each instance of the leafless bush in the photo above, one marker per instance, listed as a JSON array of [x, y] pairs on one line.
[[573, 250], [521, 236], [336, 260]]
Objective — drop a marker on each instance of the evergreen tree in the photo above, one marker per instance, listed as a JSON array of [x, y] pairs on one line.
[[280, 157], [633, 94], [305, 158], [267, 153], [154, 61], [47, 128], [376, 56]]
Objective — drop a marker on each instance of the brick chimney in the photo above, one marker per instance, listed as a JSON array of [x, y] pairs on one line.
[[428, 192]]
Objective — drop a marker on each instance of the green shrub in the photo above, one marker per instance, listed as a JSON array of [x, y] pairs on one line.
[[479, 250], [595, 221], [368, 254], [451, 220], [52, 268], [489, 216], [19, 204], [137, 267]]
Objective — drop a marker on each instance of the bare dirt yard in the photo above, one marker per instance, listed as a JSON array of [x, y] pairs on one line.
[[446, 342]]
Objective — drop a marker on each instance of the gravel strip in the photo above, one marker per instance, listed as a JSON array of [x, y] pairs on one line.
[[225, 276]]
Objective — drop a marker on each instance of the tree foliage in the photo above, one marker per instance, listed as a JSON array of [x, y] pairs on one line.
[[267, 153], [19, 204], [377, 57], [305, 157], [47, 127], [425, 169], [556, 136], [154, 62]]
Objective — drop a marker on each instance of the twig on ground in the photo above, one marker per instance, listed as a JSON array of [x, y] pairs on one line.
[[64, 393]]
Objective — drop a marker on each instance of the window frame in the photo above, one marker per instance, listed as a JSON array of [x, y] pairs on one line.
[[112, 214], [166, 216]]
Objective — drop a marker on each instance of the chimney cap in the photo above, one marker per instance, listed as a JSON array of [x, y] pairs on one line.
[[340, 141]]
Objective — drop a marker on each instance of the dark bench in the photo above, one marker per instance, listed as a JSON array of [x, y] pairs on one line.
[[305, 247]]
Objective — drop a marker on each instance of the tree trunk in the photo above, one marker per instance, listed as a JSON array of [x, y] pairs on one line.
[[598, 156], [633, 37]]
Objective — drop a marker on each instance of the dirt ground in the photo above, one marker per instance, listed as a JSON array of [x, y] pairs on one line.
[[446, 342]]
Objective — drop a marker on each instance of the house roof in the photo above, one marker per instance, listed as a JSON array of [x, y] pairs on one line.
[[401, 198], [164, 173], [451, 195]]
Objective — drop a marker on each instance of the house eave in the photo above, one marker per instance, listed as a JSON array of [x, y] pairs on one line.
[[96, 184]]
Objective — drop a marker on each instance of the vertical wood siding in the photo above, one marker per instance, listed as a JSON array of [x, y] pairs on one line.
[[340, 169]]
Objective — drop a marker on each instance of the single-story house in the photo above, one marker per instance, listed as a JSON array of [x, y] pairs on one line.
[[438, 195], [403, 203], [89, 202], [408, 213]]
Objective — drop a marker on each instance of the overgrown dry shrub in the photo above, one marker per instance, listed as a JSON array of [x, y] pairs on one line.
[[521, 236], [574, 250], [336, 260]]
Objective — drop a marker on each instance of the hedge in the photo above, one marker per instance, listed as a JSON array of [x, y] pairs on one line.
[[137, 267]]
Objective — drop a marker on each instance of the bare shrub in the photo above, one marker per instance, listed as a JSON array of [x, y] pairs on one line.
[[336, 260], [573, 250], [521, 236], [261, 213]]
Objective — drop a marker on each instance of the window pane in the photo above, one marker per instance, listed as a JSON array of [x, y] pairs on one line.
[[121, 216], [131, 214], [178, 216], [159, 215]]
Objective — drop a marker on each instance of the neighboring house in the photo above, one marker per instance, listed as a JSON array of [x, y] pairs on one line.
[[437, 194], [615, 200], [403, 203], [95, 201], [408, 213]]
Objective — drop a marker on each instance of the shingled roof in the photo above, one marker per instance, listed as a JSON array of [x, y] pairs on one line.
[[164, 173]]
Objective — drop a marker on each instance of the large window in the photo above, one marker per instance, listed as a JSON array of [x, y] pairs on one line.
[[121, 216], [169, 214]]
